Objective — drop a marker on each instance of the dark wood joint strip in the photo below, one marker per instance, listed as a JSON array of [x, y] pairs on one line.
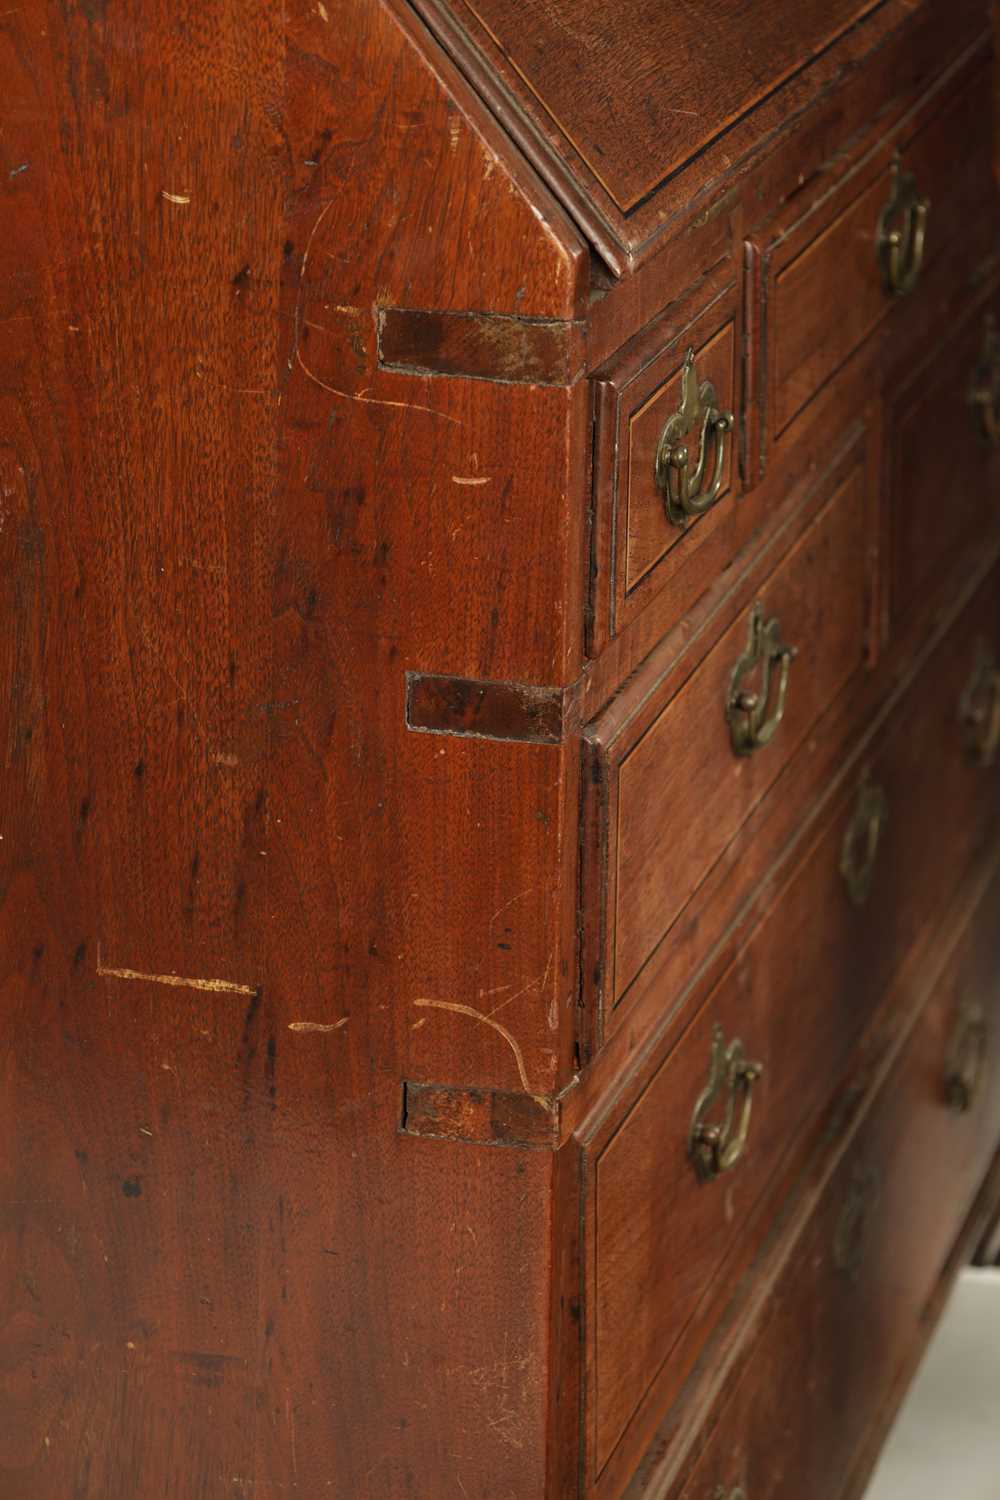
[[483, 346], [484, 710], [482, 1117]]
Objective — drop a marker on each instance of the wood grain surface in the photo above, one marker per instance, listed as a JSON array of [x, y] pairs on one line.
[[223, 1267], [304, 541], [843, 1319], [634, 120]]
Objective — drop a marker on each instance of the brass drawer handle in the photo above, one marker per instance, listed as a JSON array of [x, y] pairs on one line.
[[862, 837], [750, 725], [984, 394], [902, 233], [966, 1060], [716, 1147], [683, 484], [851, 1232], [979, 709]]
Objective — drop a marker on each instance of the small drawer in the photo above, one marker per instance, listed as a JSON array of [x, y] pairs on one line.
[[845, 1317], [823, 281], [676, 1215], [654, 408], [944, 457], [677, 772]]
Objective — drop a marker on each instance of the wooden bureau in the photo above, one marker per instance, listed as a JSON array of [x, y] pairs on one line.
[[500, 833]]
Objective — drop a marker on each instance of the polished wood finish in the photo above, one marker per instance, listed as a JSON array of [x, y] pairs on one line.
[[638, 551], [661, 1239], [945, 497], [485, 710], [655, 755], [813, 334], [535, 351], [871, 69], [374, 861], [842, 1320], [631, 119]]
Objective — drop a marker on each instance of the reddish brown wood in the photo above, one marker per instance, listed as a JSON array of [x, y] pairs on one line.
[[226, 1269], [482, 1115], [301, 489], [660, 848], [619, 309], [700, 951], [600, 84], [813, 331], [697, 672], [485, 346], [876, 68], [943, 473], [844, 1318], [484, 710], [688, 1428], [658, 1238], [637, 551]]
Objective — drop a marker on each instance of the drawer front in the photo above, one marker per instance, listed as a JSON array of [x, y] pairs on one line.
[[844, 1317], [653, 525], [945, 457], [649, 531], [666, 1245], [826, 281], [691, 780]]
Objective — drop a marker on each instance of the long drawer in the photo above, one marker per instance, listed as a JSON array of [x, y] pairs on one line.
[[944, 456], [845, 1315], [864, 254], [672, 1221]]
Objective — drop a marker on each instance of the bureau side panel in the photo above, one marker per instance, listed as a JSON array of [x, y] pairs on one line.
[[242, 900]]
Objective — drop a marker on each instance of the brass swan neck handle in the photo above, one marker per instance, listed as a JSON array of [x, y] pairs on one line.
[[698, 423]]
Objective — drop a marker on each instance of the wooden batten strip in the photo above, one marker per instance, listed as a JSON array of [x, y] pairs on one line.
[[484, 710], [484, 346], [481, 1116]]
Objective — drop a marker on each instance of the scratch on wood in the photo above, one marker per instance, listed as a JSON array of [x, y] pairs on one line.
[[477, 1015], [318, 1025], [174, 197], [220, 986], [533, 984], [461, 479], [345, 395], [506, 907], [370, 400]]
